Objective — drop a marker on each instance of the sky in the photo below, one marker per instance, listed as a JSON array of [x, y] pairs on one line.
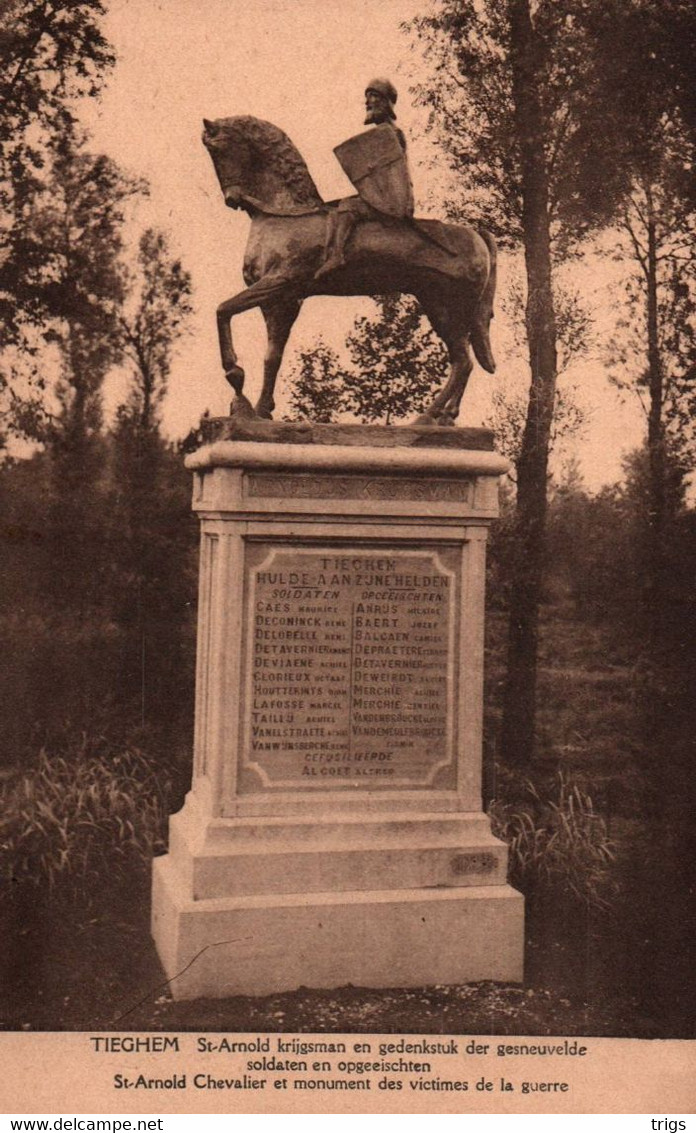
[[303, 65]]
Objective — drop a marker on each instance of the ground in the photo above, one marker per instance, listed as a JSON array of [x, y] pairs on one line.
[[102, 973]]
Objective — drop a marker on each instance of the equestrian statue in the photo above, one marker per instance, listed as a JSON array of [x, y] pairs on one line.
[[369, 244]]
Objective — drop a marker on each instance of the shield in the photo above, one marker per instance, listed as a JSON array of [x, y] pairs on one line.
[[376, 164]]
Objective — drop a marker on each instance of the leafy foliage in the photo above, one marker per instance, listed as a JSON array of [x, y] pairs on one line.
[[159, 314], [79, 818], [652, 135], [473, 96], [574, 320], [557, 838], [51, 53], [509, 414], [653, 351], [98, 610], [396, 364], [81, 221], [552, 114], [77, 220], [317, 384]]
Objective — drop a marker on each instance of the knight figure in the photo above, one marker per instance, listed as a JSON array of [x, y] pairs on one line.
[[375, 161], [300, 246]]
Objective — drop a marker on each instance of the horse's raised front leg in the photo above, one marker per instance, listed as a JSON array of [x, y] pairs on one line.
[[264, 290], [280, 318]]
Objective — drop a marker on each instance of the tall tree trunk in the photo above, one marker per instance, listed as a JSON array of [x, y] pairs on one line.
[[532, 467], [657, 513]]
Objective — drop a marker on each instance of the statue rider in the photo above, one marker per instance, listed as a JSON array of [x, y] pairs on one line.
[[380, 99]]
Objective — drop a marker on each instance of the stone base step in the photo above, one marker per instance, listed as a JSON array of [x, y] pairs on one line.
[[233, 857], [193, 822], [310, 870], [257, 945]]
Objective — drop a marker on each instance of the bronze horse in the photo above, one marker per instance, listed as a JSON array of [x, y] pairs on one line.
[[449, 269]]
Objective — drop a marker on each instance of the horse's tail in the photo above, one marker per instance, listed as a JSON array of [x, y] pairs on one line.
[[480, 337]]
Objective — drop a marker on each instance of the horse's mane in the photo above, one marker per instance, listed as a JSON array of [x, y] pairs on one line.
[[279, 179]]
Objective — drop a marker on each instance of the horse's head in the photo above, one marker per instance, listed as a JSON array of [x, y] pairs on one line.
[[258, 167], [231, 158]]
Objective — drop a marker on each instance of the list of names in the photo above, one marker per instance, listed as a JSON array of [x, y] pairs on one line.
[[350, 661]]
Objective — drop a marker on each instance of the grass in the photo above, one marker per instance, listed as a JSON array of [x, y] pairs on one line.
[[558, 838], [80, 818]]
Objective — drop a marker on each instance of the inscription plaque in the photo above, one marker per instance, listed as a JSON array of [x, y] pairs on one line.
[[350, 660], [357, 487]]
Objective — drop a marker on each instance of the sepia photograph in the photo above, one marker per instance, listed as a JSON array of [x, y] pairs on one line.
[[348, 529]]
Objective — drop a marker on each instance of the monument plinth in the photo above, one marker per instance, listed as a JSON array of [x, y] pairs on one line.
[[334, 832]]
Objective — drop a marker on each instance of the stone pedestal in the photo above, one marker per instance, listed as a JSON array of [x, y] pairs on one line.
[[334, 833]]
